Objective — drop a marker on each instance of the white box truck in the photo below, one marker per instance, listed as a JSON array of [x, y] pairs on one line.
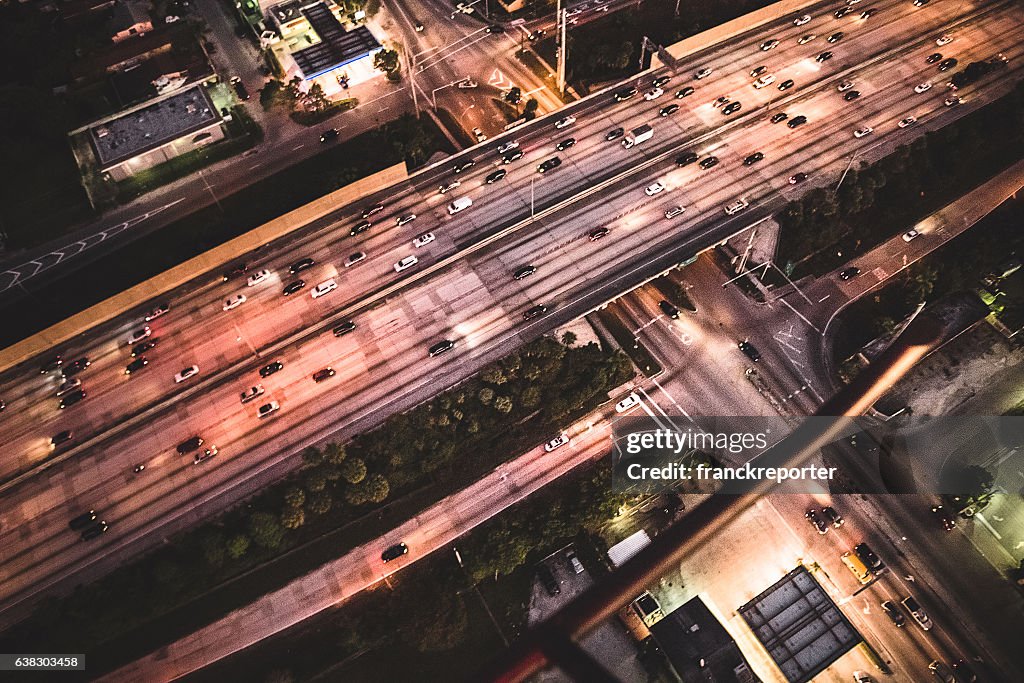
[[459, 204], [638, 135]]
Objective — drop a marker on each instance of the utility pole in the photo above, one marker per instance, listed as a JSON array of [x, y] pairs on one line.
[[562, 48], [410, 64]]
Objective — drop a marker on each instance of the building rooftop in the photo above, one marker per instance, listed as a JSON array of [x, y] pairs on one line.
[[699, 648], [337, 47], [152, 126]]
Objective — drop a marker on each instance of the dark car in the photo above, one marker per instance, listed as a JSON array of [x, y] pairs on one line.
[[51, 365], [934, 57], [963, 672], [893, 612], [660, 81], [797, 121], [946, 518], [852, 95], [537, 35], [779, 117], [235, 271], [548, 580], [614, 134], [624, 94], [394, 552], [322, 374], [786, 84], [95, 530], [60, 437], [947, 64], [271, 368], [140, 349], [836, 37], [668, 309], [525, 271], [240, 89], [204, 455], [598, 233], [824, 56], [868, 13], [75, 366], [686, 158], [868, 557], [293, 287], [370, 210], [441, 347], [535, 311], [842, 12], [669, 109], [157, 311], [495, 28], [136, 365], [329, 135], [832, 516], [496, 176], [72, 398], [359, 228], [548, 164], [849, 273], [83, 520], [190, 445], [565, 144], [300, 265], [344, 328], [816, 521], [751, 352], [708, 162], [797, 178], [731, 108], [758, 71], [509, 157], [464, 165], [753, 158], [684, 92]]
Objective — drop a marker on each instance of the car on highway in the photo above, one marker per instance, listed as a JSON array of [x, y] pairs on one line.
[[257, 277], [495, 28], [68, 385], [240, 89], [758, 71], [76, 366], [624, 94], [344, 328], [702, 73], [861, 132], [849, 273], [842, 12], [524, 271], [868, 13], [653, 94], [668, 109], [764, 81], [708, 162], [463, 166], [628, 403], [920, 3], [786, 84], [189, 445], [549, 164], [204, 455], [686, 158], [721, 101], [508, 146], [832, 516], [816, 521], [394, 552], [779, 117], [448, 187], [731, 108], [440, 347], [653, 189], [137, 335], [800, 21], [806, 39], [235, 271], [910, 235], [939, 670], [330, 135], [917, 612], [845, 85], [797, 178], [354, 258], [943, 40], [749, 350], [53, 364], [556, 442], [268, 409], [496, 176], [514, 155], [423, 240], [923, 87], [157, 311], [660, 81], [136, 365], [370, 210], [951, 100], [597, 234], [824, 56], [835, 37], [684, 92], [667, 308], [97, 529], [405, 220], [963, 672], [947, 64], [234, 302], [869, 558], [565, 122], [293, 287], [325, 287], [186, 373], [769, 45], [252, 393], [797, 121], [565, 144], [894, 613], [932, 58], [909, 121], [753, 158], [534, 311], [946, 518], [851, 96], [271, 368], [83, 520], [614, 134], [301, 265]]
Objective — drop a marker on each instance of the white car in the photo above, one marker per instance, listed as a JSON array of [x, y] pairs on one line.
[[802, 20], [675, 211], [479, 135], [565, 122], [407, 218], [157, 312], [943, 40], [764, 81], [844, 86], [268, 409], [862, 677], [653, 189], [627, 403], [234, 302], [653, 94], [703, 73], [444, 189], [423, 240], [507, 146], [355, 258], [909, 121], [910, 234], [556, 442], [325, 287], [186, 373], [924, 87], [257, 277], [139, 334], [407, 262], [861, 132]]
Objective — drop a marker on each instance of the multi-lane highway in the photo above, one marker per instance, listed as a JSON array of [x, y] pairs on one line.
[[382, 365]]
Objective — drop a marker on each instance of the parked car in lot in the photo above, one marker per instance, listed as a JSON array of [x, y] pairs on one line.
[[240, 89], [548, 580], [749, 350], [574, 561]]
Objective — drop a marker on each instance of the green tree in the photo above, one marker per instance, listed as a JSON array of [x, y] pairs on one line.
[[214, 549], [238, 545], [386, 61], [568, 338], [353, 470], [265, 530], [316, 480], [279, 676], [294, 497], [356, 494], [503, 404], [315, 98], [377, 488], [334, 453], [486, 395], [320, 503], [530, 110], [292, 518], [312, 457], [530, 398], [169, 576], [494, 375]]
